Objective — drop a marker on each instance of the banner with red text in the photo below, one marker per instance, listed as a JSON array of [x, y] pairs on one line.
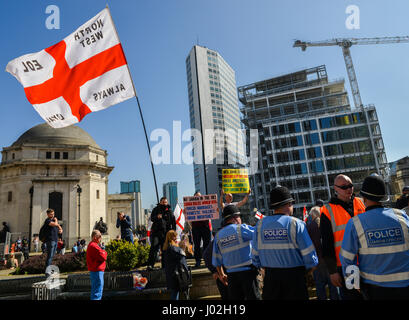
[[201, 207]]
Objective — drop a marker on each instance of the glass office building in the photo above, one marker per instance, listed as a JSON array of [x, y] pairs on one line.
[[137, 213], [213, 107], [130, 186], [308, 135]]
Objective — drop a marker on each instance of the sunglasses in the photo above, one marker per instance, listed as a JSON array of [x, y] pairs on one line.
[[345, 187]]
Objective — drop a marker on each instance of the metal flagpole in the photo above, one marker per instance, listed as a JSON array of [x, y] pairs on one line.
[[140, 111]]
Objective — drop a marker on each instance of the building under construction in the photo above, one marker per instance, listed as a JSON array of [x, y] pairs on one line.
[[308, 134]]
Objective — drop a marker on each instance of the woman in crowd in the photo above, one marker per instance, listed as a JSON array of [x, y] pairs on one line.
[[174, 261]]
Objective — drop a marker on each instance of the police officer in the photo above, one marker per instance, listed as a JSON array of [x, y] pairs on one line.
[[282, 246], [379, 239], [333, 219], [232, 249]]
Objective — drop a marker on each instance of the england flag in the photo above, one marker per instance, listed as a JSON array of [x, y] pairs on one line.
[[180, 220], [258, 214]]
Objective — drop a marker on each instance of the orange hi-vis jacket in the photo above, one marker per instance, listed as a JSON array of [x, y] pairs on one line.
[[339, 218]]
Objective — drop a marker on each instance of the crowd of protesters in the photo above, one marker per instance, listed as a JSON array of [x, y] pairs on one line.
[[282, 251]]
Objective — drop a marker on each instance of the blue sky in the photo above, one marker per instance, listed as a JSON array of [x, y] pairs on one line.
[[254, 37]]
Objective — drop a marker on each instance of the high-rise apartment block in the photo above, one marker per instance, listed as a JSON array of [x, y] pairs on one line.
[[214, 112], [309, 134], [137, 213]]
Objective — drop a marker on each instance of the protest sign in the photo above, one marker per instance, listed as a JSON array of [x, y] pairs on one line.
[[235, 181], [201, 207]]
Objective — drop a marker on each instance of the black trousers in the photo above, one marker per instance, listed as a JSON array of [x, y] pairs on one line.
[[285, 284], [222, 290], [200, 233], [243, 285], [156, 245], [373, 292]]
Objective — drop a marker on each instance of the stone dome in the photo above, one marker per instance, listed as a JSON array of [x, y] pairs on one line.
[[45, 134]]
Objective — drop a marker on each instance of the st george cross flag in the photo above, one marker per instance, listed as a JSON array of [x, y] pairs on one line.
[[85, 72], [258, 214], [148, 230], [180, 220]]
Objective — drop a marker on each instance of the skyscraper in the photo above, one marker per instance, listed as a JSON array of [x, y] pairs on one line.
[[170, 191], [134, 187], [213, 108], [308, 135]]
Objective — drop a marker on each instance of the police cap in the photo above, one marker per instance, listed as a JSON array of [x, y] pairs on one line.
[[374, 188], [280, 196]]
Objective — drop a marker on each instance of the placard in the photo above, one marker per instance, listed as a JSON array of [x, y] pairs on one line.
[[198, 208], [235, 181]]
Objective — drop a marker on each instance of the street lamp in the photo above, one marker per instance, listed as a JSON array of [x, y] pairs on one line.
[[31, 192]]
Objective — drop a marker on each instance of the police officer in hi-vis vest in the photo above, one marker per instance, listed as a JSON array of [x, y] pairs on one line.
[[377, 241], [334, 217], [283, 247], [232, 249]]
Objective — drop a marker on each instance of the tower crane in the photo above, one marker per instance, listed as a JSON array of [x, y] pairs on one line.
[[345, 44]]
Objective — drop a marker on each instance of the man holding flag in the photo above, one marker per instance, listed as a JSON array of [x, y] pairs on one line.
[[163, 220]]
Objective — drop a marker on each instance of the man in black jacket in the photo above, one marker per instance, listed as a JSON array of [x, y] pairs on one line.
[[163, 220]]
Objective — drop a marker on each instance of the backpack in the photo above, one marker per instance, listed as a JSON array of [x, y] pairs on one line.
[[183, 277], [43, 233]]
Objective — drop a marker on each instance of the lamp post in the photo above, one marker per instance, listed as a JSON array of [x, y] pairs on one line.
[[79, 190], [31, 192]]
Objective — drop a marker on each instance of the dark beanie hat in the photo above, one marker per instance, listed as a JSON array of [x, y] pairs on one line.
[[230, 211], [374, 188], [280, 196]]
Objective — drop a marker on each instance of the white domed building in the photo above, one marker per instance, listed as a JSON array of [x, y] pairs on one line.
[[46, 168]]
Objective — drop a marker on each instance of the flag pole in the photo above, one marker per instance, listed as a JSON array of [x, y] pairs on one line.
[[140, 111]]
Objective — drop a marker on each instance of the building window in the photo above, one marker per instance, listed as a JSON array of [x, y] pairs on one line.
[[48, 155], [312, 139], [10, 196], [97, 194], [316, 166], [310, 125], [56, 155], [314, 153], [65, 155]]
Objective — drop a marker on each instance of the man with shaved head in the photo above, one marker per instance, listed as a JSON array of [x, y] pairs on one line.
[[334, 217]]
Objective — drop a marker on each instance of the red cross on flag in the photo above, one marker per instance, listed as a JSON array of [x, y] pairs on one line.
[[85, 72], [258, 214], [305, 215]]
